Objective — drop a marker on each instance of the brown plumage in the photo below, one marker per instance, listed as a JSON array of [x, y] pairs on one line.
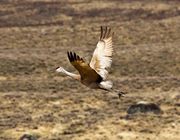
[[88, 75]]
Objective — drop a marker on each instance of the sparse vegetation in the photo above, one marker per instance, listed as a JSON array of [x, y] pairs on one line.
[[34, 38]]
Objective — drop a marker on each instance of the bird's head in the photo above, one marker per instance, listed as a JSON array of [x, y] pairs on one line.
[[60, 69]]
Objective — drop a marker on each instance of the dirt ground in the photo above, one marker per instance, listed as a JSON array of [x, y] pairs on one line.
[[34, 38]]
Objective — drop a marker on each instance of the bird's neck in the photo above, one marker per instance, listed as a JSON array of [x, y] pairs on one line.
[[75, 76]]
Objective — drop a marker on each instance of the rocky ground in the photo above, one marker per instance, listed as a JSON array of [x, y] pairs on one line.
[[34, 38]]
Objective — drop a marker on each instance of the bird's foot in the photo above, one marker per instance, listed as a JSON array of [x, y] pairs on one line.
[[121, 94]]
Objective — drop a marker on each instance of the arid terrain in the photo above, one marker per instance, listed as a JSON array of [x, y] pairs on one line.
[[34, 38]]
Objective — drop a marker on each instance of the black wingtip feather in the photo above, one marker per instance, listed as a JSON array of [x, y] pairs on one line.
[[72, 56], [101, 32], [105, 32]]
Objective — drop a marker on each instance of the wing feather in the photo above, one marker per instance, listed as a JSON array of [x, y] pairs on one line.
[[102, 56], [83, 68]]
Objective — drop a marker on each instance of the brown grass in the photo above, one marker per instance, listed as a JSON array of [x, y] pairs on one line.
[[34, 38]]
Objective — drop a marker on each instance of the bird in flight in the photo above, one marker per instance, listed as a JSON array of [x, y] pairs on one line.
[[94, 74]]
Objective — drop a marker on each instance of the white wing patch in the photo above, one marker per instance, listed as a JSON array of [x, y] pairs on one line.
[[102, 56]]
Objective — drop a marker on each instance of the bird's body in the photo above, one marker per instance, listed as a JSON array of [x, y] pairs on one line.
[[94, 74]]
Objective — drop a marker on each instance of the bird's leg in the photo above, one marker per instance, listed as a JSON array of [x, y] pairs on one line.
[[62, 70], [119, 93]]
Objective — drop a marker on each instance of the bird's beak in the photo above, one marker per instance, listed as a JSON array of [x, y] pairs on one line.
[[58, 69]]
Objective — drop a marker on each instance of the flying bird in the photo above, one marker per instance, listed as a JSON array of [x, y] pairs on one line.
[[94, 74]]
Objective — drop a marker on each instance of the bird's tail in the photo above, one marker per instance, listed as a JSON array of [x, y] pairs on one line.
[[107, 85]]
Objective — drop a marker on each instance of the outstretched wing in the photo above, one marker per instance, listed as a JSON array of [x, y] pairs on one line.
[[102, 56], [86, 72]]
